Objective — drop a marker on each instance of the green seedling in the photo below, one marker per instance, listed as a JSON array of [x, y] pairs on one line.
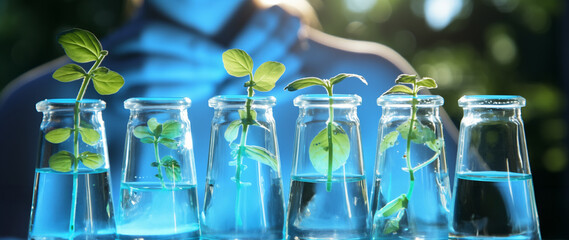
[[238, 63], [164, 134], [330, 148], [413, 132], [81, 46]]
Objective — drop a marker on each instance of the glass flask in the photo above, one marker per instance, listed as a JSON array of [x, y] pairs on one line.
[[410, 204], [158, 186], [493, 195], [243, 195], [328, 193], [72, 193]]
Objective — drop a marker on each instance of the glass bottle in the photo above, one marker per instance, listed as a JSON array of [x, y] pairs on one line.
[[72, 193], [424, 193], [158, 187], [493, 191], [328, 202], [243, 195]]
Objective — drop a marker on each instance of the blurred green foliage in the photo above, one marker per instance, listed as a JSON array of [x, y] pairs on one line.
[[489, 47]]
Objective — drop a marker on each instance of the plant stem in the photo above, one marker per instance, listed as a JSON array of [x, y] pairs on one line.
[[330, 143], [76, 124], [242, 144], [157, 156], [408, 152]]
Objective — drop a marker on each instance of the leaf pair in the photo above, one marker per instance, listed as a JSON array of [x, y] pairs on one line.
[[319, 147], [418, 84], [82, 46], [256, 153], [250, 119], [63, 161], [88, 135], [171, 168], [156, 132], [326, 83], [239, 64]]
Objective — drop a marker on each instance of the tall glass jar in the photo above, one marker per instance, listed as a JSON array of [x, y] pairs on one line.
[[72, 193], [328, 194], [243, 195], [158, 187], [410, 204], [493, 193]]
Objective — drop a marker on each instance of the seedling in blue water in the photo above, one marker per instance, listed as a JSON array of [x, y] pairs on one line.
[[238, 63], [81, 46], [330, 148], [165, 134], [412, 131]]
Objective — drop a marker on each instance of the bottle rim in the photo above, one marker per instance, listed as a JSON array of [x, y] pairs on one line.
[[323, 100], [491, 101], [68, 104], [238, 101], [399, 100], [157, 103]]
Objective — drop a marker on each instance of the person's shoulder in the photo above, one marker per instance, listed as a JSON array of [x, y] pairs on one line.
[[356, 52]]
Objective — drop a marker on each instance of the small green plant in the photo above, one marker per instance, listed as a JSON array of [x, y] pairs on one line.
[[412, 131], [239, 64], [81, 46], [156, 133], [330, 148]]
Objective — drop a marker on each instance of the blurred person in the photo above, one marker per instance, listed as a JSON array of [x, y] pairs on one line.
[[173, 49]]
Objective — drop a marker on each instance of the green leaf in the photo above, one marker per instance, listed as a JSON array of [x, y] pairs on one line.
[[435, 144], [80, 45], [107, 83], [91, 160], [420, 133], [406, 78], [171, 129], [154, 164], [303, 83], [388, 141], [168, 142], [261, 155], [267, 75], [58, 135], [232, 131], [61, 161], [142, 132], [399, 89], [392, 224], [147, 140], [338, 78], [171, 168], [318, 150], [89, 136], [237, 62], [392, 207], [153, 126], [427, 83], [69, 73]]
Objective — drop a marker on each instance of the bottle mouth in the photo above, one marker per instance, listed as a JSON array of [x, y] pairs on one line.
[[157, 103], [323, 100], [66, 104], [398, 100], [238, 101], [491, 101]]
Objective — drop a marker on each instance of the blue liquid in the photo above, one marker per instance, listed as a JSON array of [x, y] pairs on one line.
[[149, 211], [315, 213], [498, 205], [51, 206], [261, 209]]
